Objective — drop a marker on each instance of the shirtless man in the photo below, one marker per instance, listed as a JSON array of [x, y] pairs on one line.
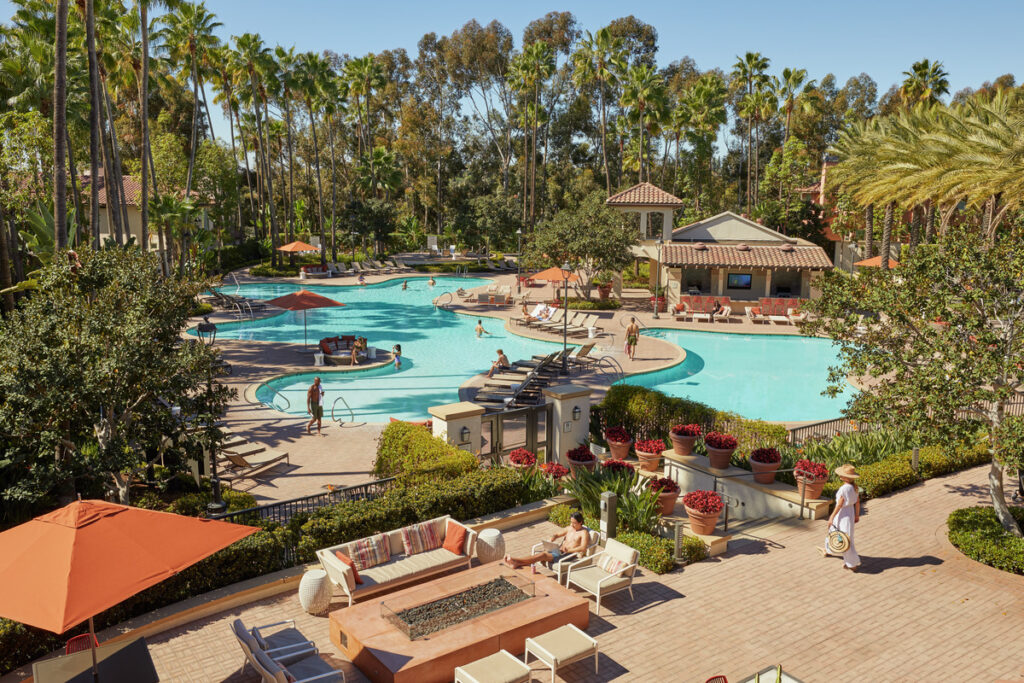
[[315, 405], [574, 541], [632, 337], [480, 331], [500, 364]]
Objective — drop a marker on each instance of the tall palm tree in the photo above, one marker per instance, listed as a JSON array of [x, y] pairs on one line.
[[60, 126], [600, 58], [643, 92], [925, 82], [750, 69], [705, 103], [890, 209], [287, 80], [224, 82], [314, 72], [792, 90]]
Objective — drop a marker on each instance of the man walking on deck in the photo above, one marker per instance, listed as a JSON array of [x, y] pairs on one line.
[[315, 405]]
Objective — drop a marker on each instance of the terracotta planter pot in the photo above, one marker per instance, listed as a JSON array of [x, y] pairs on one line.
[[660, 304], [667, 502], [719, 457], [682, 445], [604, 291], [764, 472], [620, 451], [577, 465], [648, 461], [700, 523], [809, 488]]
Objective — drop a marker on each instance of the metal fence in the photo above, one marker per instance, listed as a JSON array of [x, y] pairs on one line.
[[282, 512]]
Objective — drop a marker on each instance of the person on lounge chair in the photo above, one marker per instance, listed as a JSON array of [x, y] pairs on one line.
[[574, 540], [526, 314], [500, 364], [717, 309]]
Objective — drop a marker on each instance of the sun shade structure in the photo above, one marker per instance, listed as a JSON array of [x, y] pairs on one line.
[[876, 262], [298, 248], [303, 300], [64, 567], [555, 275]]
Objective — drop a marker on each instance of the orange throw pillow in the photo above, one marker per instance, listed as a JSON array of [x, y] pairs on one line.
[[454, 538], [347, 560]]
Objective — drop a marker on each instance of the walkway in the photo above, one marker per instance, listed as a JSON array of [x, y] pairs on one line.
[[917, 611]]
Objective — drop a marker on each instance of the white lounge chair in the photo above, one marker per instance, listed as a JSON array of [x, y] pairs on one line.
[[723, 314], [608, 571], [795, 316], [755, 317]]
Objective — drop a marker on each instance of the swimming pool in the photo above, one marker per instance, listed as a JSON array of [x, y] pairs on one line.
[[762, 376], [440, 350]]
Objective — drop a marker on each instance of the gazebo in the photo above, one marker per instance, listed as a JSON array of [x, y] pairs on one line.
[[648, 201]]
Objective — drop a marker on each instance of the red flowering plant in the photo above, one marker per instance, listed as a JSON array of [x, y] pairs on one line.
[[818, 470], [766, 456], [554, 470], [686, 430], [663, 485], [580, 454], [720, 441], [523, 457], [705, 502], [617, 435], [614, 466], [649, 446]]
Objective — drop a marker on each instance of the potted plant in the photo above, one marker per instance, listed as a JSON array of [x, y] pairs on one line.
[[657, 298], [763, 463], [619, 442], [649, 453], [683, 438], [703, 508], [668, 494], [720, 448], [581, 457], [603, 282], [810, 478], [522, 458], [617, 466], [554, 470]]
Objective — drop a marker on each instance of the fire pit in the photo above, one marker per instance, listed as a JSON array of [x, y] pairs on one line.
[[420, 619]]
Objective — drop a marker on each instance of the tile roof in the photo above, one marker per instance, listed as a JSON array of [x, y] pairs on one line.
[[132, 190], [644, 194], [741, 256]]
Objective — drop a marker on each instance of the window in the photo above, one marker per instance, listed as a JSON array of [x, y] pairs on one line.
[[740, 280]]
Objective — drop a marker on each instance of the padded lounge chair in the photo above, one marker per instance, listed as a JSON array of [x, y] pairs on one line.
[[561, 566], [754, 315], [246, 467], [723, 314], [592, 573]]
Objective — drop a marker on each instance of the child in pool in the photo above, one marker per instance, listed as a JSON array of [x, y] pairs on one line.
[[396, 350]]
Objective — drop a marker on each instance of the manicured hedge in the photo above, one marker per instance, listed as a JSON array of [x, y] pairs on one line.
[[450, 267], [577, 304], [410, 450], [977, 533]]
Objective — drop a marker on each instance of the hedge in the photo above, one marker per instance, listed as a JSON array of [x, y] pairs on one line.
[[451, 266], [650, 414], [977, 533], [577, 304], [409, 450]]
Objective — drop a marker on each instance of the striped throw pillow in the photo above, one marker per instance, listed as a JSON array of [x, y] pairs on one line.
[[369, 552], [610, 564], [419, 538]]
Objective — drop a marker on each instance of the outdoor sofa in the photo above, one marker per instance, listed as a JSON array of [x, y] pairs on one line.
[[399, 567]]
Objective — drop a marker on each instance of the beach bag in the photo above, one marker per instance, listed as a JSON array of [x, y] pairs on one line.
[[838, 542]]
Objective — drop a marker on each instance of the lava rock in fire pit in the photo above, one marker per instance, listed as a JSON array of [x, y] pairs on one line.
[[435, 616]]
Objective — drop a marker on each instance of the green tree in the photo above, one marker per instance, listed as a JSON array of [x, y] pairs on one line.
[[600, 58], [926, 82]]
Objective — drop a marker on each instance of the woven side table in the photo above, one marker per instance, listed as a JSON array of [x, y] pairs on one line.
[[490, 546], [315, 591]]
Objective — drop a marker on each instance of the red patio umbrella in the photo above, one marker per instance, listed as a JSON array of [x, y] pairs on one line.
[[64, 567], [303, 300], [876, 262], [554, 275], [298, 248]]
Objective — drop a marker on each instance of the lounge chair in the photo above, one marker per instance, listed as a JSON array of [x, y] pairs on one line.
[[682, 311], [382, 268], [341, 270], [723, 314], [490, 265], [565, 319], [463, 294], [754, 315], [283, 654], [582, 356], [370, 268], [795, 315], [583, 326], [249, 466], [561, 566], [605, 572], [396, 266], [555, 318]]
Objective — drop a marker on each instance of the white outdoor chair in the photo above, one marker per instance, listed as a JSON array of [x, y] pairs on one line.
[[591, 573], [561, 567]]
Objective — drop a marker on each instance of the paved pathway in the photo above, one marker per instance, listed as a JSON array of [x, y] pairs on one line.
[[918, 610]]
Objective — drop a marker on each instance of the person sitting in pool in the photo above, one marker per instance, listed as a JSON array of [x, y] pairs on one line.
[[405, 285], [431, 281], [362, 280], [574, 539], [396, 350], [480, 331], [500, 364]]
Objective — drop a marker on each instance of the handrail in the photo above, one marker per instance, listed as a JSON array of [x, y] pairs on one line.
[[342, 399], [615, 369], [238, 285], [439, 304], [278, 393], [795, 470], [624, 324]]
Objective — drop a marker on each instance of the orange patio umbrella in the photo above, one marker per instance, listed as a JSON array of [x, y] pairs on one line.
[[876, 262], [298, 248], [556, 275], [64, 567], [303, 300]]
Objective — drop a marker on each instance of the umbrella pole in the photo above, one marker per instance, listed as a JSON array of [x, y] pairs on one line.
[[92, 648], [305, 340]]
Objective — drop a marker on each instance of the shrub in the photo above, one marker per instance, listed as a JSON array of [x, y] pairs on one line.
[[449, 267], [686, 430], [202, 308], [706, 502], [266, 270], [693, 550], [617, 435], [766, 455], [194, 504], [521, 456], [977, 533], [237, 255], [577, 304], [857, 448], [613, 465], [559, 515], [655, 552], [891, 474], [720, 441], [650, 446], [580, 454], [663, 485], [404, 447]]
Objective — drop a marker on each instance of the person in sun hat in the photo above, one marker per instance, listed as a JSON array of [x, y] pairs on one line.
[[845, 515]]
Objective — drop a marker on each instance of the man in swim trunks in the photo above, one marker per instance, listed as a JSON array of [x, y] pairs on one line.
[[632, 337], [480, 331], [315, 405], [574, 541]]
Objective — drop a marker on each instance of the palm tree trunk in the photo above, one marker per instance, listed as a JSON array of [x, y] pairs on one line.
[[245, 158], [319, 185], [60, 125], [334, 188], [915, 228], [73, 171], [890, 209], [234, 161], [749, 148], [869, 230], [5, 266], [604, 140], [533, 156], [274, 234], [929, 222], [109, 183], [195, 129], [144, 116], [94, 125], [206, 106], [118, 177], [290, 209], [641, 152]]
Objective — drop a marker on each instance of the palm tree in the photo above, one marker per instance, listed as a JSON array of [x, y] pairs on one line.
[[528, 72], [60, 126], [600, 58], [925, 82], [705, 103], [314, 72], [224, 83], [186, 39], [750, 68], [643, 92], [792, 90]]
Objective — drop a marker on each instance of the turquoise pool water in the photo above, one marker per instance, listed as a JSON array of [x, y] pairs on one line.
[[440, 350], [768, 377]]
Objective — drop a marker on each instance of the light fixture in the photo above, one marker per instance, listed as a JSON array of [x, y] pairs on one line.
[[206, 331], [464, 435], [576, 413]]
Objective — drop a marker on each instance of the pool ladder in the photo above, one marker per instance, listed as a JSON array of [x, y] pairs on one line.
[[441, 301], [352, 415], [270, 404]]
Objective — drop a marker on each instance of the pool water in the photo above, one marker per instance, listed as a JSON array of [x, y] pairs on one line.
[[440, 350], [767, 377]]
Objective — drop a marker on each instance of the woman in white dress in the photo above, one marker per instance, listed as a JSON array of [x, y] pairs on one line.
[[846, 514]]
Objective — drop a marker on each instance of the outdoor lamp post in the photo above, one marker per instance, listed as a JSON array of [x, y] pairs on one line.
[[565, 318], [657, 287], [519, 261], [207, 333], [354, 236]]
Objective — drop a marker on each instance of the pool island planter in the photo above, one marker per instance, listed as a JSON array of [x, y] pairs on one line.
[[719, 457]]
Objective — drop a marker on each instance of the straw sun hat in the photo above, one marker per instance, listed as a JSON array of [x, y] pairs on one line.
[[847, 472]]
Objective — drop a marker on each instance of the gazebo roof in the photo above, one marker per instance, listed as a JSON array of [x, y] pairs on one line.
[[744, 256], [644, 195]]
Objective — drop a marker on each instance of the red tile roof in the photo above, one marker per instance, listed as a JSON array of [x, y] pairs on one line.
[[743, 256], [644, 194], [132, 190]]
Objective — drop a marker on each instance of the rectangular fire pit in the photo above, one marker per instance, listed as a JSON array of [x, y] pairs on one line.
[[422, 633]]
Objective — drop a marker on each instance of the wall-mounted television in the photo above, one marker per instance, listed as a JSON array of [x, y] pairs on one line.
[[739, 280]]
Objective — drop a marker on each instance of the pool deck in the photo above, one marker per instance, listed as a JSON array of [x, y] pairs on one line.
[[345, 453]]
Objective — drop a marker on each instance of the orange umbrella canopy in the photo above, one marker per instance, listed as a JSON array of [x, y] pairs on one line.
[[64, 567], [876, 262], [303, 300], [556, 275], [298, 248]]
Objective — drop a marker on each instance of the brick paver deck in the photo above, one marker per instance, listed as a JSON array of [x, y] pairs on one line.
[[918, 610]]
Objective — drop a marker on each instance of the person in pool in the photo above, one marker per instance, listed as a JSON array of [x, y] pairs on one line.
[[405, 285], [431, 281], [574, 539], [362, 280], [396, 351], [480, 331]]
